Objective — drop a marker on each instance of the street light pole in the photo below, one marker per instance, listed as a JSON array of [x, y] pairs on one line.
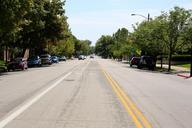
[[147, 18]]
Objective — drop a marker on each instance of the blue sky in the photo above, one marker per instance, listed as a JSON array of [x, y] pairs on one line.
[[89, 19]]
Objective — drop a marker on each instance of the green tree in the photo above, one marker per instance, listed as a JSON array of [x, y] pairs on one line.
[[104, 46], [85, 47], [47, 26], [187, 39], [148, 37], [12, 13], [82, 47], [173, 26], [120, 45]]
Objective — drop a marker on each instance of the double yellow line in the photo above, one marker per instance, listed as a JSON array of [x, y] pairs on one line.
[[138, 118]]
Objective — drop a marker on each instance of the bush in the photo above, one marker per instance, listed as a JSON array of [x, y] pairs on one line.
[[177, 58], [3, 66], [181, 58]]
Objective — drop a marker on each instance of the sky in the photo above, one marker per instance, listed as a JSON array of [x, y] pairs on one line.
[[89, 19]]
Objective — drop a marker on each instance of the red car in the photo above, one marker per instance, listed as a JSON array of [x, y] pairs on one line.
[[17, 63], [135, 61]]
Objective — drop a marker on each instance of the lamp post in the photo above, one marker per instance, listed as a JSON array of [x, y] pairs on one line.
[[148, 16]]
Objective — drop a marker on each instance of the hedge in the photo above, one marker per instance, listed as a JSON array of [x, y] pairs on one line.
[[181, 58]]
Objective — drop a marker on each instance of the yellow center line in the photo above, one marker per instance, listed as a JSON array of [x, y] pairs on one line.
[[139, 119]]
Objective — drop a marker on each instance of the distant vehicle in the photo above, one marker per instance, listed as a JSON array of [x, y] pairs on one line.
[[91, 56], [34, 61], [46, 59], [62, 58], [147, 62], [81, 57], [17, 63], [135, 61], [55, 59]]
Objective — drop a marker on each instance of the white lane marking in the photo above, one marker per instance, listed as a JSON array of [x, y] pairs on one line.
[[25, 106]]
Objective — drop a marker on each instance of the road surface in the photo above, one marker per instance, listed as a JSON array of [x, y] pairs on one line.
[[94, 93]]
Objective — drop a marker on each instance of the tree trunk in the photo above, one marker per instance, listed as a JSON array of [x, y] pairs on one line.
[[161, 61], [169, 61], [6, 52]]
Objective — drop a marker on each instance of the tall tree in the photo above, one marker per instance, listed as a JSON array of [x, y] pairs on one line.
[[120, 39], [187, 38], [47, 25], [12, 13], [174, 24], [104, 46]]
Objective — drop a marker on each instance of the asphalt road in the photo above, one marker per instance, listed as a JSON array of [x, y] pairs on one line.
[[94, 93]]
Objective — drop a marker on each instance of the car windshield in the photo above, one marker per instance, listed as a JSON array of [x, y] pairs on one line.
[[44, 56], [33, 58]]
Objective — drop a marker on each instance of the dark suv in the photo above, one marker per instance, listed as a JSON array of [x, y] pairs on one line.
[[46, 59], [135, 61], [147, 62]]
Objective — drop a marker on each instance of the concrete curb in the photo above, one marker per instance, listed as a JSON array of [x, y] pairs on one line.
[[184, 76]]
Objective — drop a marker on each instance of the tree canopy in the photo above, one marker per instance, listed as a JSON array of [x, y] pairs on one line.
[[167, 34]]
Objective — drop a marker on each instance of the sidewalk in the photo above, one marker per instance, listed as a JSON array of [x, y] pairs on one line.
[[180, 71]]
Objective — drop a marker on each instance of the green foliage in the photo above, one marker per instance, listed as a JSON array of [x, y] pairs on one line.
[[170, 33], [40, 25], [120, 39], [12, 13], [180, 58], [63, 47], [3, 66], [91, 50], [187, 35], [104, 46], [117, 46], [83, 47], [183, 65], [174, 25], [47, 24], [148, 37]]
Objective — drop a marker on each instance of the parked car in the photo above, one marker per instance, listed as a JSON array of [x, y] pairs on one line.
[[55, 59], [135, 61], [17, 63], [91, 56], [81, 57], [46, 59], [62, 58], [34, 61], [147, 62]]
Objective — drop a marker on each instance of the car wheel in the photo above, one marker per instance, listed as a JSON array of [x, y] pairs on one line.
[[139, 66]]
